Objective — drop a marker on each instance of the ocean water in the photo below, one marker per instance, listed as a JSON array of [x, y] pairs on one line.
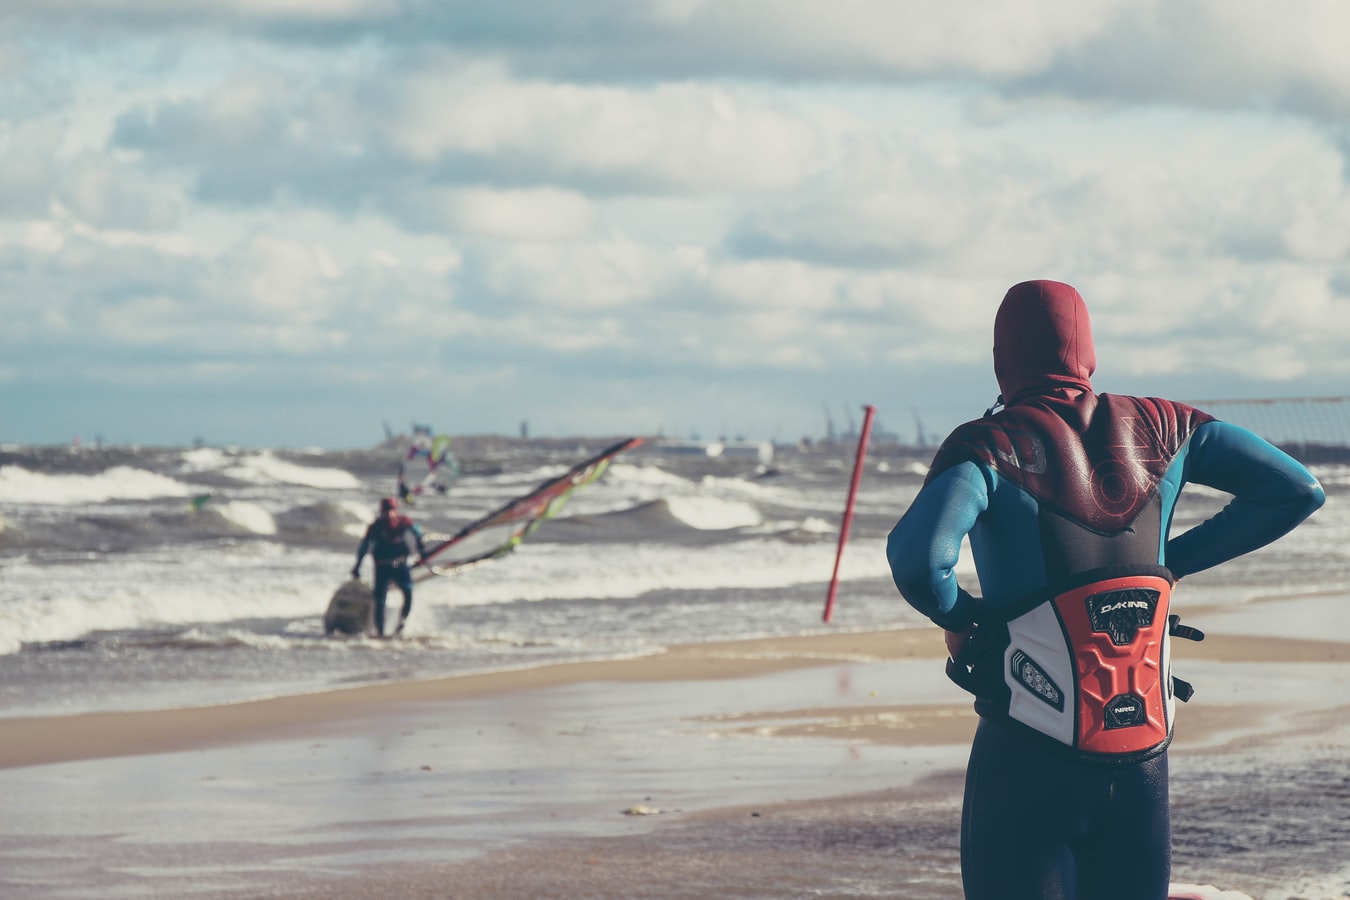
[[116, 593]]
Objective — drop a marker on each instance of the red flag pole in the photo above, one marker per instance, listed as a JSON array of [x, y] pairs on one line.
[[869, 412]]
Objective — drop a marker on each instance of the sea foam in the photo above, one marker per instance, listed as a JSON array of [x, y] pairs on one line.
[[19, 485], [713, 514], [265, 468], [249, 516]]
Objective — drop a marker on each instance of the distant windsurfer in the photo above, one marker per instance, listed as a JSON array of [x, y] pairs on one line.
[[442, 466], [389, 540]]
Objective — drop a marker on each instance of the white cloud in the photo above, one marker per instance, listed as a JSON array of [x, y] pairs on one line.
[[28, 167], [911, 36], [671, 136], [521, 215], [109, 195], [601, 274], [794, 200], [322, 10], [283, 276], [1230, 53], [176, 11]]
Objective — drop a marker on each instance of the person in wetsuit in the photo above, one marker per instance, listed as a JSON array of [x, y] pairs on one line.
[[389, 540], [1067, 497]]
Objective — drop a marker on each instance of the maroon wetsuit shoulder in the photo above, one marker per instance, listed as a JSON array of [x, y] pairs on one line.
[[1095, 459]]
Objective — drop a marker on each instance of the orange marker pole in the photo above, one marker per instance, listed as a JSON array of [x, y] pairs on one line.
[[869, 412]]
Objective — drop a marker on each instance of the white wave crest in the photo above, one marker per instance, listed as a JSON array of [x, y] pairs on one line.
[[651, 475], [18, 485], [264, 468], [713, 513], [250, 516], [809, 525], [203, 459], [543, 571], [156, 589]]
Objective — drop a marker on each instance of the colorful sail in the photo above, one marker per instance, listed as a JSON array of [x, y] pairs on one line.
[[440, 455], [501, 531]]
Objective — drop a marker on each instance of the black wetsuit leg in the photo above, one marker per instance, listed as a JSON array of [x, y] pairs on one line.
[[1036, 826], [383, 574], [402, 577]]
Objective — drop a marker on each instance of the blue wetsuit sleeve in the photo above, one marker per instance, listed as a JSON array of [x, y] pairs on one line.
[[1272, 493], [925, 545]]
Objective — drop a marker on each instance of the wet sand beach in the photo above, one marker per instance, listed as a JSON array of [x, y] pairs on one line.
[[821, 766]]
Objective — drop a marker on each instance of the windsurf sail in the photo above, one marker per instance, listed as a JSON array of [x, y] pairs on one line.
[[501, 531]]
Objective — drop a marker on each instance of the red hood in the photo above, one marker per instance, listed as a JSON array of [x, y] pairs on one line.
[[1042, 341]]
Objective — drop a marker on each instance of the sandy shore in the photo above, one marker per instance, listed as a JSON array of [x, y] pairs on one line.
[[46, 740], [43, 740], [733, 762]]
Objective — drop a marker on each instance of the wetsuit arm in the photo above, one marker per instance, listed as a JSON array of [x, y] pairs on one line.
[[361, 551], [1272, 493], [925, 545]]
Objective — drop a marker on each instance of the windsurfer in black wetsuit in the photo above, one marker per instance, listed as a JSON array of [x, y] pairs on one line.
[[1067, 496], [389, 540]]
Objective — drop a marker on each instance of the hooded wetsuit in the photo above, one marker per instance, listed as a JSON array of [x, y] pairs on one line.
[[1067, 498], [387, 540]]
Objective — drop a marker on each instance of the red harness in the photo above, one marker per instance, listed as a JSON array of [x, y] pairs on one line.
[[1088, 667], [1117, 633]]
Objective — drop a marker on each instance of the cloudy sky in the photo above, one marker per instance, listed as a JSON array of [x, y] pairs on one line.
[[288, 222]]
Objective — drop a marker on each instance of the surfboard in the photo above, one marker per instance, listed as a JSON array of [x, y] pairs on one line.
[[351, 610]]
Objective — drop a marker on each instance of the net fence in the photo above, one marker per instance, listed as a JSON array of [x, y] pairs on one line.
[[1311, 429]]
